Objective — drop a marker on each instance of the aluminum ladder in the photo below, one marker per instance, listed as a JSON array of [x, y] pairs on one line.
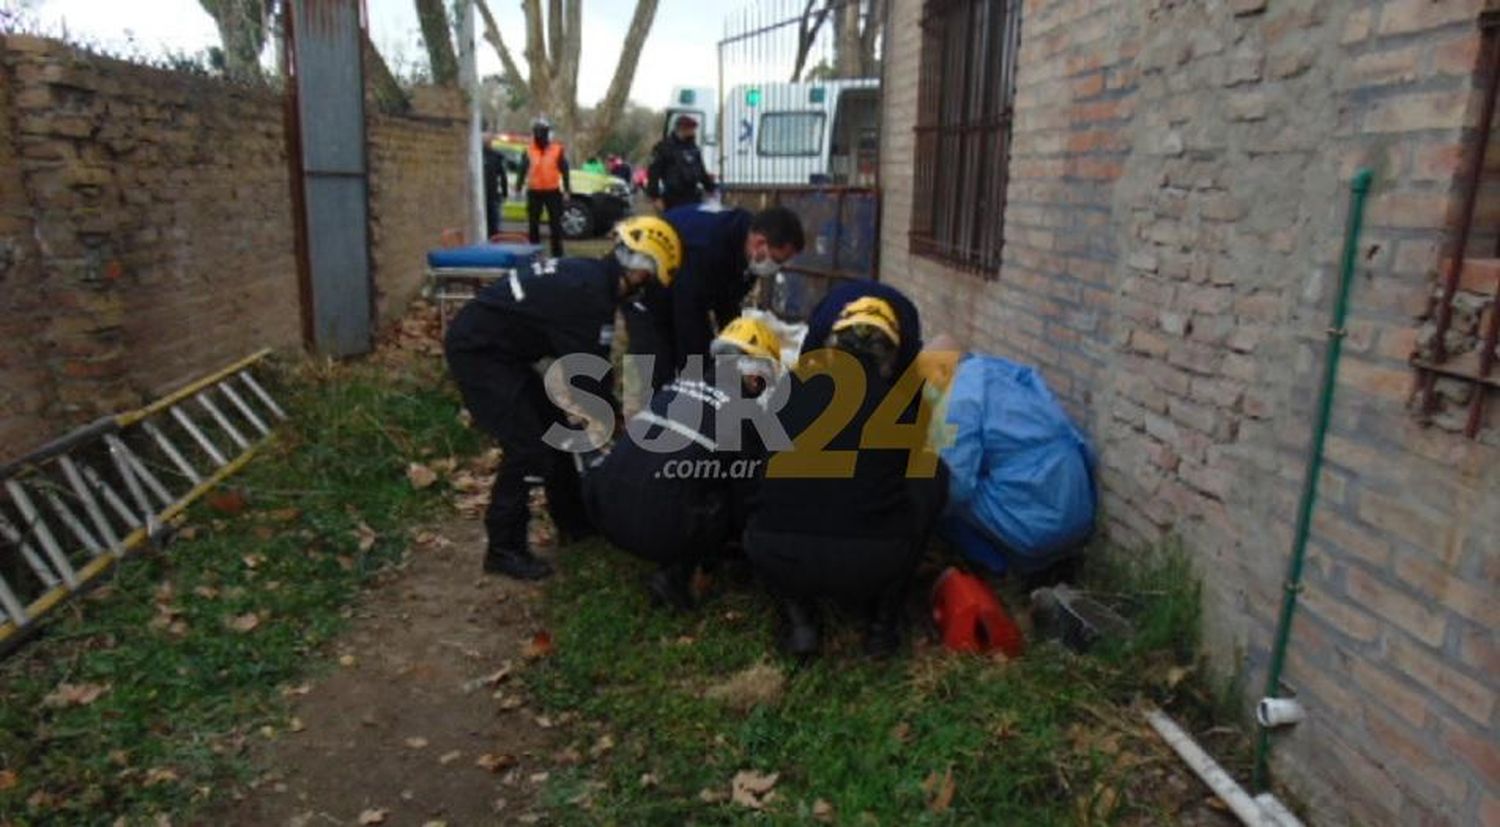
[[75, 507]]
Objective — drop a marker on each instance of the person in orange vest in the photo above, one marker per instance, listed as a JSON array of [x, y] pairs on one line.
[[545, 176]]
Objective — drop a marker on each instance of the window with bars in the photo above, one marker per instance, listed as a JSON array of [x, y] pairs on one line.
[[963, 130]]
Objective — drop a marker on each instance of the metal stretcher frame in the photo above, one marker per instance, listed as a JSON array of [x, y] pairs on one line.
[[448, 288]]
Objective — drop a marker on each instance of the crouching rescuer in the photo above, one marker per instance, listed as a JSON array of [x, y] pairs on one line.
[[675, 490], [846, 513], [496, 348]]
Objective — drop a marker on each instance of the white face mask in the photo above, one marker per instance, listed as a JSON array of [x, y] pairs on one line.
[[760, 268]]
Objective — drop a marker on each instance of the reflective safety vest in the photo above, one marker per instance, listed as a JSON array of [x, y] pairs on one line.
[[545, 171]]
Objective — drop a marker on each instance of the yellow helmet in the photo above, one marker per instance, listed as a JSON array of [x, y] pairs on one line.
[[751, 337], [871, 311], [655, 239]]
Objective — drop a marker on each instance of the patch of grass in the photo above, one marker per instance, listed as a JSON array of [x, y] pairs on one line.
[[185, 689], [1049, 739]]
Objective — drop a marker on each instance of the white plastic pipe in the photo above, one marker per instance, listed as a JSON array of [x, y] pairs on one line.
[[1224, 786], [1279, 712]]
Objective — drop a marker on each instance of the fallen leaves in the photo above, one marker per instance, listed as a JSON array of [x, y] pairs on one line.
[[159, 775], [74, 694], [760, 684], [230, 502], [244, 623], [373, 816], [420, 476], [9, 780], [449, 757], [753, 789], [822, 811], [365, 536], [939, 790], [496, 763], [540, 646], [416, 742]]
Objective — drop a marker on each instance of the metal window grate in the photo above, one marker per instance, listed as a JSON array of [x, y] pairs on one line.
[[965, 103], [1460, 343]]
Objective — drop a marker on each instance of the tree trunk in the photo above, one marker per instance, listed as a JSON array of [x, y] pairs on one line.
[[874, 25], [440, 55], [846, 62], [807, 34], [619, 87], [242, 31], [492, 36], [539, 70], [379, 80]]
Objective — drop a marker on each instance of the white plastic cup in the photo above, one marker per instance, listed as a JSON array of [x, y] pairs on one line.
[[1279, 712]]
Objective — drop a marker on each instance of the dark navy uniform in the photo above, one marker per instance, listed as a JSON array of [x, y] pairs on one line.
[[677, 174], [563, 306], [681, 505], [674, 323]]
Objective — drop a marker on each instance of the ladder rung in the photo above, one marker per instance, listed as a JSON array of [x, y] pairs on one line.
[[149, 478], [147, 514], [72, 523], [33, 523], [112, 498], [171, 451], [265, 398], [219, 417], [90, 503], [244, 409], [38, 568], [13, 608], [201, 438]]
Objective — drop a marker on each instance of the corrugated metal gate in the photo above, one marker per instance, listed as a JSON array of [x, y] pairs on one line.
[[799, 125], [326, 125]]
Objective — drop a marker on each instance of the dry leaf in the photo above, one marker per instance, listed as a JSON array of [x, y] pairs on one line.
[[420, 476], [822, 811], [648, 780], [709, 795], [253, 561], [496, 763], [9, 779], [245, 622], [296, 725], [416, 742], [299, 689], [449, 757], [540, 645], [206, 592], [605, 743], [229, 501], [366, 536], [752, 789], [939, 791], [74, 694], [284, 515], [347, 660], [373, 816], [159, 775]]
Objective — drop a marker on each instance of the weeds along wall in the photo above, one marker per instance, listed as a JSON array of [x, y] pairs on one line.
[[1178, 185], [146, 229]]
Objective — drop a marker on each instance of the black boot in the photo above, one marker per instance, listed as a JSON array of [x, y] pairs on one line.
[[883, 632], [672, 586], [518, 563], [799, 634]]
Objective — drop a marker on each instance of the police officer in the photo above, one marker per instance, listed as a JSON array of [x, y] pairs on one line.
[[673, 491], [676, 174], [563, 307], [725, 250], [854, 532], [545, 176], [496, 187]]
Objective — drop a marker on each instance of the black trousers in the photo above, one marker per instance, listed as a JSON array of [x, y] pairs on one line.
[[552, 200], [854, 570], [510, 403]]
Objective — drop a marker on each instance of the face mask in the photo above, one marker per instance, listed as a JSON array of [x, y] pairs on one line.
[[760, 268]]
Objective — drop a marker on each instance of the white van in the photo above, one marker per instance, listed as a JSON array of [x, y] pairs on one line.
[[702, 104], [802, 134]]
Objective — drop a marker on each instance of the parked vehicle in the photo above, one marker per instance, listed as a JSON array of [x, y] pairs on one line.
[[599, 199], [702, 104], [801, 134]]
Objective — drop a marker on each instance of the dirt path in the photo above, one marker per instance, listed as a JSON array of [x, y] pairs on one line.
[[415, 724]]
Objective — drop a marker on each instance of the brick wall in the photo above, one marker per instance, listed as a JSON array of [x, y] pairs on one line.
[[146, 227], [1179, 185]]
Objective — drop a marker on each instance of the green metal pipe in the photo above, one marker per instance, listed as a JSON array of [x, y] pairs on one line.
[[1359, 190]]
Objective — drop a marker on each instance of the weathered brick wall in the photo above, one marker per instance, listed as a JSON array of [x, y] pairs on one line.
[[146, 228], [418, 179], [1179, 189]]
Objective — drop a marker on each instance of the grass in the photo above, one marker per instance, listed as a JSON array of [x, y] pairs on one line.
[[185, 689], [1048, 739]]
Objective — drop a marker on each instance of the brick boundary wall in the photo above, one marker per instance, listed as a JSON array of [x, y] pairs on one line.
[[1179, 186], [146, 231]]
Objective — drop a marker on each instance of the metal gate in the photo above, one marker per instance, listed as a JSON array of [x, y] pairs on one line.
[[326, 125], [799, 111]]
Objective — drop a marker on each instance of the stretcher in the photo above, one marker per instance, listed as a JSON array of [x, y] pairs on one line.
[[457, 274]]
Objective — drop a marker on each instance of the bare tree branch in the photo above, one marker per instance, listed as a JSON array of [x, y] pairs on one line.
[[492, 36], [388, 94], [540, 70], [242, 31], [440, 55], [619, 86], [807, 34]]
